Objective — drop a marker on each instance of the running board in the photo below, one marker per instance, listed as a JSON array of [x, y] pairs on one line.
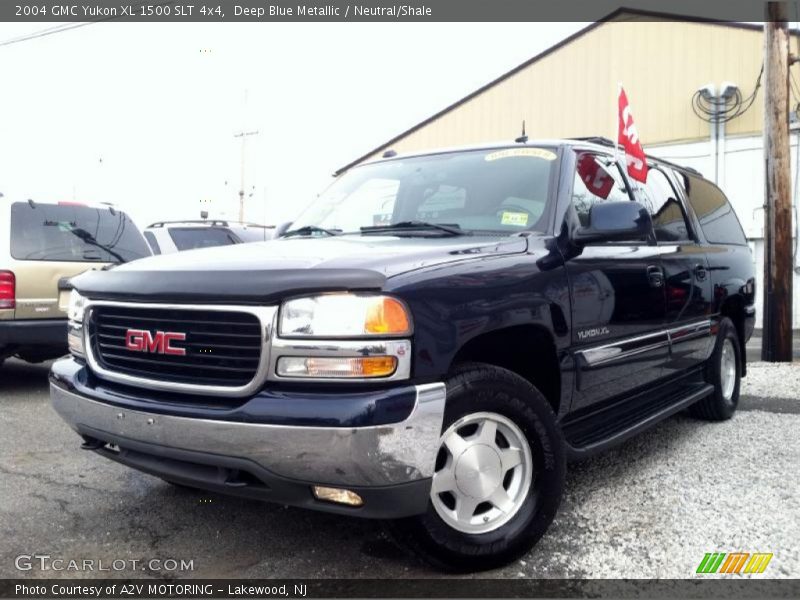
[[592, 432]]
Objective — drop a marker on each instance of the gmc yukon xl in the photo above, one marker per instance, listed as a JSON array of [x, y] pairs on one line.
[[428, 344]]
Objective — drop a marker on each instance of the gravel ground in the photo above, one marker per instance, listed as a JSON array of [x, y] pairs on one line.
[[650, 508]]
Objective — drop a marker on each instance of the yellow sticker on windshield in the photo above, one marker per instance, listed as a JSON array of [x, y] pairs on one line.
[[511, 152], [515, 218]]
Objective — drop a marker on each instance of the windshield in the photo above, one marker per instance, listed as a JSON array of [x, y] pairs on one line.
[[73, 233], [489, 190]]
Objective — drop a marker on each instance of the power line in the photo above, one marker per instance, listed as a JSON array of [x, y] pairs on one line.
[[70, 26], [45, 32]]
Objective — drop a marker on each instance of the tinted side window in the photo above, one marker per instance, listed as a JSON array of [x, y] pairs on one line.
[[717, 219], [660, 199], [151, 239], [597, 179], [73, 233], [189, 238]]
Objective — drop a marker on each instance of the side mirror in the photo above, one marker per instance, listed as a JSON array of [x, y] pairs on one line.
[[281, 229], [615, 221]]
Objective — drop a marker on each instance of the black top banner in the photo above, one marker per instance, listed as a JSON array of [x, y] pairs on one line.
[[376, 10]]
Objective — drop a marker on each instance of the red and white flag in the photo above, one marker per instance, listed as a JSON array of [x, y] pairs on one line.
[[594, 177], [628, 138]]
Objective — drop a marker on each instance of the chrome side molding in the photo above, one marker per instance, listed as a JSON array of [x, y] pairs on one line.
[[625, 348]]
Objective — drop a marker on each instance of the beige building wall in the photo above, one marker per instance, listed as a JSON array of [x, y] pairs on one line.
[[573, 90]]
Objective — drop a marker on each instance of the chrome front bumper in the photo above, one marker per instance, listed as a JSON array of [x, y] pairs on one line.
[[363, 456]]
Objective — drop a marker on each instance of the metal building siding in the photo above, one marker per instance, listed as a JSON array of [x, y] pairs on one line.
[[572, 91]]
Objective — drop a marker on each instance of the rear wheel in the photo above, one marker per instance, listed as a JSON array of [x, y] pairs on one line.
[[724, 372], [499, 474]]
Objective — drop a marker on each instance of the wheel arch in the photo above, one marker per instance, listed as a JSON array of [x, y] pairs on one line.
[[733, 307], [528, 350]]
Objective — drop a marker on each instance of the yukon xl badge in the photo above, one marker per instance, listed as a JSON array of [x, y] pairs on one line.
[[592, 333]]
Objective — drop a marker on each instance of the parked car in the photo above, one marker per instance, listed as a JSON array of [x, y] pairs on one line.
[[166, 237], [429, 343], [41, 247]]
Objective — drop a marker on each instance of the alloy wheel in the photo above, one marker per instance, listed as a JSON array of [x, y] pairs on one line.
[[727, 369], [484, 471]]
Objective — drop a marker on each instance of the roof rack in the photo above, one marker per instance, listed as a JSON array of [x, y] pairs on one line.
[[252, 224], [681, 167], [216, 222], [595, 139], [211, 222]]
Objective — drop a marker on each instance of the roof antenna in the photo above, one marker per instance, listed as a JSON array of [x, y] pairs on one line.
[[524, 137]]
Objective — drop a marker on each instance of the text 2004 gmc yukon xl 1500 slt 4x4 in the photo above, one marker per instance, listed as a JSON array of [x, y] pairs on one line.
[[428, 344]]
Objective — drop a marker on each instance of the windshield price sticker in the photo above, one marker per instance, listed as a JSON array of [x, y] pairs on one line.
[[515, 218], [514, 152]]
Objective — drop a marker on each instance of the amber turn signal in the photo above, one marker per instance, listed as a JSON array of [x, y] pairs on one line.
[[335, 367], [387, 316]]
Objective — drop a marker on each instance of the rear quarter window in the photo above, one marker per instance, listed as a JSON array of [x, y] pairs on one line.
[[715, 213], [73, 233], [151, 239]]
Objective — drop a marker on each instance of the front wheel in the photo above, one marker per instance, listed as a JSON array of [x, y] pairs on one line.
[[499, 474]]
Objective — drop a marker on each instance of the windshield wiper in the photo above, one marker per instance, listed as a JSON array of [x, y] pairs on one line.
[[89, 239], [311, 229], [418, 225]]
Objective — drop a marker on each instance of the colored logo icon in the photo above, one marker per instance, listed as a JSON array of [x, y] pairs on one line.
[[734, 562]]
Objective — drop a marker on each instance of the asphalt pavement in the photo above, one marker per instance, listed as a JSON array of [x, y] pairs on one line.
[[649, 508]]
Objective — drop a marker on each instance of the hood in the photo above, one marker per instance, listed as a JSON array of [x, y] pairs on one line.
[[262, 271]]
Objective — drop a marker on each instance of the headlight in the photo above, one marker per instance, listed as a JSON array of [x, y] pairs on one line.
[[75, 310], [77, 304], [75, 339], [344, 315]]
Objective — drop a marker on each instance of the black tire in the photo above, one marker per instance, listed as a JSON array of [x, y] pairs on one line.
[[718, 407], [474, 388]]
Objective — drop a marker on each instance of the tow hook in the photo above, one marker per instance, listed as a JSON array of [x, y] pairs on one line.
[[90, 443]]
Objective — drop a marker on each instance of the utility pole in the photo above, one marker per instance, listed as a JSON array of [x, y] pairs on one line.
[[244, 135], [777, 338]]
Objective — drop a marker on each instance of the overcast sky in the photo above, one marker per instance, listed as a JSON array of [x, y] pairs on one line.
[[144, 115]]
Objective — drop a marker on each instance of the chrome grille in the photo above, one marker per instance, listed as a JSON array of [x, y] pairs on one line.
[[223, 348]]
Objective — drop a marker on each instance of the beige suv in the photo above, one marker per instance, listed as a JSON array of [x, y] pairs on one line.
[[41, 247]]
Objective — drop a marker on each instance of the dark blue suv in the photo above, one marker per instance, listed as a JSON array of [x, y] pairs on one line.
[[429, 343]]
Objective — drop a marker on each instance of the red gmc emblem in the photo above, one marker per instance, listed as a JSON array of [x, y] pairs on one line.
[[159, 342]]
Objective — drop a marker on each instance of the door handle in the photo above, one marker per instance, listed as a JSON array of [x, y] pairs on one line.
[[700, 272], [655, 275]]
